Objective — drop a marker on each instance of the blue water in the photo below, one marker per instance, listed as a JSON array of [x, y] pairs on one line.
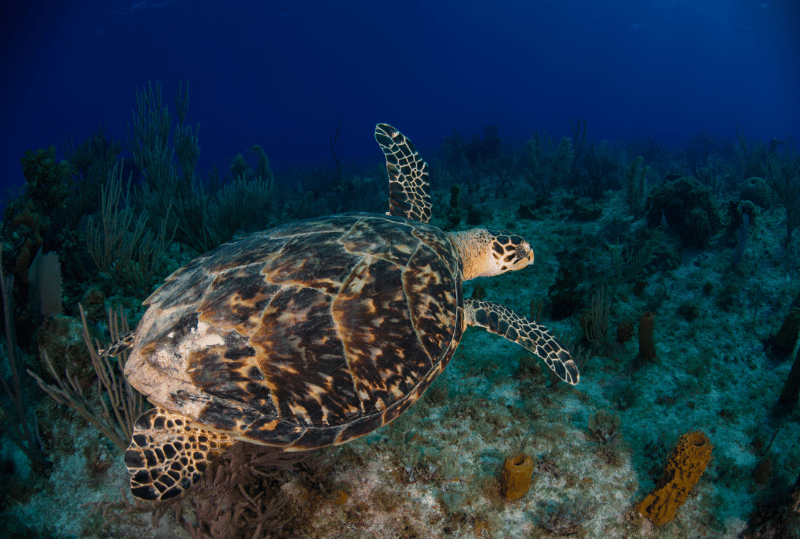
[[281, 74]]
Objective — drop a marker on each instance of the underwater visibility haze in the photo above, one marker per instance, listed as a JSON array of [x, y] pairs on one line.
[[634, 176]]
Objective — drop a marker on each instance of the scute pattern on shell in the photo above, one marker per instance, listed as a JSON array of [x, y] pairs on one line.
[[305, 335]]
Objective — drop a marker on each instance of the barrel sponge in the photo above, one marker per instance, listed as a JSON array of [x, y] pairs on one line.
[[686, 465], [756, 190], [516, 478]]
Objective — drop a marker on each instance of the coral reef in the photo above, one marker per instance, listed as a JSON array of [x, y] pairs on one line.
[[29, 216], [689, 209], [757, 191], [436, 472]]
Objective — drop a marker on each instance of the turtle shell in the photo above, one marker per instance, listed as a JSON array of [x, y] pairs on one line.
[[306, 335]]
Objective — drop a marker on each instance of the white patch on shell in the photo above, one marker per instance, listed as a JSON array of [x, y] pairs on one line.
[[204, 339]]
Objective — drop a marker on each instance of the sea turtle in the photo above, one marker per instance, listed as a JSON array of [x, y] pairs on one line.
[[313, 333]]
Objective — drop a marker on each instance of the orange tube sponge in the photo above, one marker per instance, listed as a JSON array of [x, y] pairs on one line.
[[686, 465], [516, 478]]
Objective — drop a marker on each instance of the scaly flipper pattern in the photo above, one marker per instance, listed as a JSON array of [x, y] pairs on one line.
[[167, 456], [409, 185], [534, 337]]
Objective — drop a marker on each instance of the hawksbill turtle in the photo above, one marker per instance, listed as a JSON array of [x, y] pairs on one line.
[[313, 333]]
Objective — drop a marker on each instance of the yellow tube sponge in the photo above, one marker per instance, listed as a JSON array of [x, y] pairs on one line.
[[516, 478], [686, 465]]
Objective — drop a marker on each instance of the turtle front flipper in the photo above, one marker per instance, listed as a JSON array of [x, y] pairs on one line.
[[504, 322], [409, 187], [167, 456]]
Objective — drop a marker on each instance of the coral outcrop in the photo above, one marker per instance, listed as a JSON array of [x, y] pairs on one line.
[[689, 209]]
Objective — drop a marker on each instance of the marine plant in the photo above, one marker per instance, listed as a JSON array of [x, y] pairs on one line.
[[784, 178], [604, 427], [202, 219], [14, 402], [114, 405], [127, 250], [752, 154], [28, 217], [635, 187]]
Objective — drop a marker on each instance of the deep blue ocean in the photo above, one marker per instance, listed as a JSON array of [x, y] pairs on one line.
[[281, 74]]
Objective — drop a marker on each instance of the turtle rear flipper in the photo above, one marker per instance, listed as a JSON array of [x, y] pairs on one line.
[[502, 321], [167, 456]]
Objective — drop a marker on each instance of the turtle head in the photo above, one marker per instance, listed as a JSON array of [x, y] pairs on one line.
[[486, 253]]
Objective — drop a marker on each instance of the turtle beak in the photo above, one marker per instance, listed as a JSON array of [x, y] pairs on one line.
[[525, 253]]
